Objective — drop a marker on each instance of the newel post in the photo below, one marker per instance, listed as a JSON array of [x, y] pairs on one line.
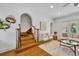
[[37, 35], [18, 37]]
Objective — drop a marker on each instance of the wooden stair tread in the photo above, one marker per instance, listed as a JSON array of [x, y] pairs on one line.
[[22, 38], [29, 45], [25, 34], [27, 42], [26, 47], [27, 37]]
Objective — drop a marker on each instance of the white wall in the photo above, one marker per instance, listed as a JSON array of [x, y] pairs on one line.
[[8, 39], [34, 10], [61, 24]]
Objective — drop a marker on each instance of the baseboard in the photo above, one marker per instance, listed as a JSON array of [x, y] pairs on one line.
[[3, 53], [42, 42]]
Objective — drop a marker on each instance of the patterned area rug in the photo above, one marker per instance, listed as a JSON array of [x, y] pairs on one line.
[[54, 49]]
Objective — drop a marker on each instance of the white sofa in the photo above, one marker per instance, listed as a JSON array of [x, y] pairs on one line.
[[74, 36]]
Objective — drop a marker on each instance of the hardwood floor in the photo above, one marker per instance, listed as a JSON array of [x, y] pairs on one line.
[[29, 47], [34, 51]]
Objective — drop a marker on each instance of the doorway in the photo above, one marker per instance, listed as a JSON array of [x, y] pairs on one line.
[[26, 37], [26, 22]]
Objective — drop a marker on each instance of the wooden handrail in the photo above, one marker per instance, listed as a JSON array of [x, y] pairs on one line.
[[35, 28], [36, 32]]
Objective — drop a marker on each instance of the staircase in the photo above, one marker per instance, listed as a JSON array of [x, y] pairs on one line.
[[27, 41], [29, 46]]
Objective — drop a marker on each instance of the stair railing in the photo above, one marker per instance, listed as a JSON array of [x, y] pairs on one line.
[[36, 33], [18, 36]]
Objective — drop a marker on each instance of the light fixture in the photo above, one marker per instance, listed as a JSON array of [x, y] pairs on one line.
[[51, 6]]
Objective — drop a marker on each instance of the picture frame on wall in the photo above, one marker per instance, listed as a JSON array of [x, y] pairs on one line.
[[43, 25]]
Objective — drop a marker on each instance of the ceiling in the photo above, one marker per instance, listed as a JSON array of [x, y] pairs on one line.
[[44, 8]]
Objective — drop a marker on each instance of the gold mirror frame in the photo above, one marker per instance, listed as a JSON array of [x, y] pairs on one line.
[[10, 19]]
